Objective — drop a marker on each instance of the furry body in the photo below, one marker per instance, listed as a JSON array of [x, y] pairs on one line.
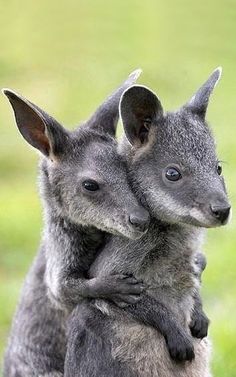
[[129, 348], [58, 279], [175, 172]]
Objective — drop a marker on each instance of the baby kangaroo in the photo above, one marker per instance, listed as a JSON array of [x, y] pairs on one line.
[[175, 172], [85, 192]]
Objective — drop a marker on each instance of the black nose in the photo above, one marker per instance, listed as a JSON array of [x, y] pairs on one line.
[[220, 212], [140, 220]]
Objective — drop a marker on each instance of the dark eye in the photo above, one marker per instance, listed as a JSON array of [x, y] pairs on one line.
[[90, 185], [219, 169], [172, 174]]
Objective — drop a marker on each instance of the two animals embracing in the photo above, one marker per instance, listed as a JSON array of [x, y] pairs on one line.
[[114, 288]]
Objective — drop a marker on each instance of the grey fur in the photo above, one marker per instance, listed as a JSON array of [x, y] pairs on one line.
[[107, 342], [75, 228], [199, 102]]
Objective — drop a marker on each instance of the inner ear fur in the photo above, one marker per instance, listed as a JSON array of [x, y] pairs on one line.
[[139, 109], [38, 128]]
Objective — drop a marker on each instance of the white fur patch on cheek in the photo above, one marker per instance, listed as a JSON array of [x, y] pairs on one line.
[[197, 214], [169, 204]]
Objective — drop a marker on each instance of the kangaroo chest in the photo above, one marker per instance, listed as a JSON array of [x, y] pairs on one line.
[[162, 258], [168, 272]]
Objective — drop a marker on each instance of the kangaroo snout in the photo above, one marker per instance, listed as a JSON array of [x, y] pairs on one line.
[[212, 210], [221, 212], [139, 220]]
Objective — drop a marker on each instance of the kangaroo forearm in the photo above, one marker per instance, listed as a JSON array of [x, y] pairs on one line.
[[157, 315], [199, 322], [68, 292], [73, 290], [115, 288], [153, 313], [197, 306]]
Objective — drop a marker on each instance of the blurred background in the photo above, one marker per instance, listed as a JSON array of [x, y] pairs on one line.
[[66, 56]]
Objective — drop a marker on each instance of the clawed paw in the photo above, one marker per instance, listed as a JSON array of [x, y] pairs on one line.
[[180, 348], [199, 326], [124, 290]]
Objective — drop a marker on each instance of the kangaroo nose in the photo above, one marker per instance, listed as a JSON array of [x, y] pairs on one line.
[[221, 213], [140, 220]]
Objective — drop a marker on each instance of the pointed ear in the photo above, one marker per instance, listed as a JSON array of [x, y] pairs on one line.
[[38, 128], [107, 115], [199, 102], [139, 109]]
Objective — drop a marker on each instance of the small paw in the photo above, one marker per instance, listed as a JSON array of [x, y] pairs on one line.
[[180, 347], [122, 289], [126, 284], [199, 326]]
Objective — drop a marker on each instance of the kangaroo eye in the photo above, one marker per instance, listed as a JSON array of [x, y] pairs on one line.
[[219, 169], [172, 174], [90, 185]]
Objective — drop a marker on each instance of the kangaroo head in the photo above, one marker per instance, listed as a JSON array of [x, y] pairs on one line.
[[173, 158], [83, 178]]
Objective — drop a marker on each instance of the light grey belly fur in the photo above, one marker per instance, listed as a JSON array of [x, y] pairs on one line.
[[144, 350]]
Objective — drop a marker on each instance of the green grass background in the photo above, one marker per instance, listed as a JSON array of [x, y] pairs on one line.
[[67, 56]]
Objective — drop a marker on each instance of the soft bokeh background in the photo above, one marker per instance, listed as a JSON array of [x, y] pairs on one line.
[[67, 56]]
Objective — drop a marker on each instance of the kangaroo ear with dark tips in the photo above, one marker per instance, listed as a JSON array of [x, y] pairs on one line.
[[106, 116], [38, 128], [139, 109], [199, 102]]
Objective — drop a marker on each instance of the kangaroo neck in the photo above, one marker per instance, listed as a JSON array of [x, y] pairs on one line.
[[65, 235], [177, 237]]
